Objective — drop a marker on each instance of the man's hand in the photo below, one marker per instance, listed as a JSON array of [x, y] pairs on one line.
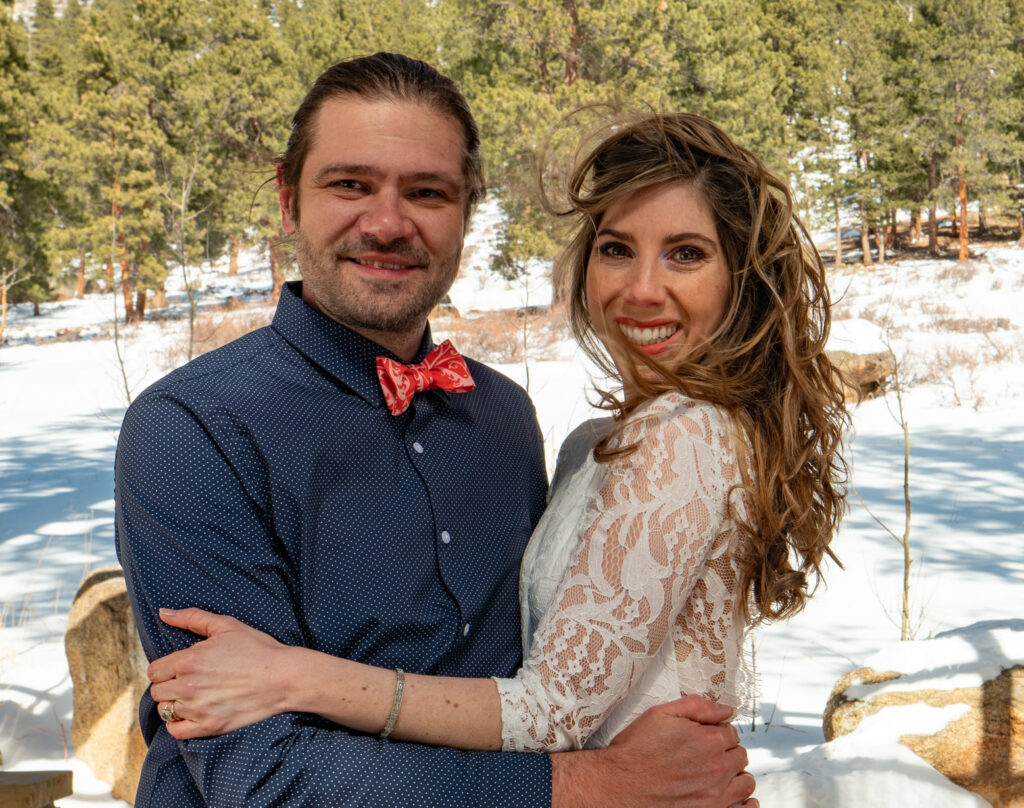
[[677, 754]]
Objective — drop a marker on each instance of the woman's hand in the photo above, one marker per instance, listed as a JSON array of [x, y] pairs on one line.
[[235, 677]]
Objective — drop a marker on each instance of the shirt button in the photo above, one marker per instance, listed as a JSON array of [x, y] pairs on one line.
[[418, 447], [465, 630], [446, 537]]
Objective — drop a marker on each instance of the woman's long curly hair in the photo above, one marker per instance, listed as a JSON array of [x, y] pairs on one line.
[[765, 365]]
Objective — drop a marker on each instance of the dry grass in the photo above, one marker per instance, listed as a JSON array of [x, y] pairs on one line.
[[501, 337], [936, 310], [880, 318], [958, 273], [506, 337], [973, 325], [960, 369], [214, 328]]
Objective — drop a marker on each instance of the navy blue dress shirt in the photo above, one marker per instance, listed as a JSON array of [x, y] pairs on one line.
[[267, 480]]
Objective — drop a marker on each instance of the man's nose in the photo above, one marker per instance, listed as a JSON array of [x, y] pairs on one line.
[[385, 217]]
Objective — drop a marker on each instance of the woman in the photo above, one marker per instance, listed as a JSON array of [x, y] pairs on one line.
[[706, 503]]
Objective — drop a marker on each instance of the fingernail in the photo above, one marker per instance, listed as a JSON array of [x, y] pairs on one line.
[[168, 611]]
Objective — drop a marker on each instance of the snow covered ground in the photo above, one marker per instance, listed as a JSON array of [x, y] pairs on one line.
[[959, 335]]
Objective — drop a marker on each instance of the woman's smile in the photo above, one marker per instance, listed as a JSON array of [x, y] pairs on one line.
[[651, 338]]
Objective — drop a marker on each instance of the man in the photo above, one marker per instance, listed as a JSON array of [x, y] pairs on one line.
[[270, 481]]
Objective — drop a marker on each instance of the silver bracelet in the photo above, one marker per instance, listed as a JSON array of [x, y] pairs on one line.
[[396, 703]]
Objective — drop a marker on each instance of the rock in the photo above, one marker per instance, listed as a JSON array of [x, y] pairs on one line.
[[108, 673], [866, 375], [33, 789], [981, 748]]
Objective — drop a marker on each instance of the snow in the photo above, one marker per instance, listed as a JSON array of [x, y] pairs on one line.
[[964, 657], [957, 333]]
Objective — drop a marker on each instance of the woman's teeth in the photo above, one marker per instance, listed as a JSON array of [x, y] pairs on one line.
[[648, 336]]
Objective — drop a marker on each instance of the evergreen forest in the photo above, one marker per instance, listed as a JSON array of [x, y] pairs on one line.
[[137, 137]]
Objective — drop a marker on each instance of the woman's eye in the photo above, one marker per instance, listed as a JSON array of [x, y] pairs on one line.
[[613, 249], [689, 254]]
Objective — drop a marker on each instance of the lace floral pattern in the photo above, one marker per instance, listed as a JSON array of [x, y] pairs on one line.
[[628, 585]]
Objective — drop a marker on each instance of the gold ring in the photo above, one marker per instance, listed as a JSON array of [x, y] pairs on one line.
[[167, 712]]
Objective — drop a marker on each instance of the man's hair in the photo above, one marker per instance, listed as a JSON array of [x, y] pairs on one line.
[[384, 77]]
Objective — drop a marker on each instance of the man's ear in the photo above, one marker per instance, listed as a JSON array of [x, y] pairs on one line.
[[286, 197]]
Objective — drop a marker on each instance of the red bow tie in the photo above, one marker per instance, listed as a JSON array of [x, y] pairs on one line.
[[443, 367]]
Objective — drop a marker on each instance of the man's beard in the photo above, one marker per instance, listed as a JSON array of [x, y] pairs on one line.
[[376, 305]]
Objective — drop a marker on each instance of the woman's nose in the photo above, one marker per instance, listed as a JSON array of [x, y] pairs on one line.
[[645, 287]]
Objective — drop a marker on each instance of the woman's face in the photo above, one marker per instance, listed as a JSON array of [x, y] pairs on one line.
[[657, 277]]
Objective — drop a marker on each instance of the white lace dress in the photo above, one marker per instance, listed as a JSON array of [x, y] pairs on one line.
[[628, 583]]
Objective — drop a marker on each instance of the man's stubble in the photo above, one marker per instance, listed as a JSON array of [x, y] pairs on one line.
[[376, 305]]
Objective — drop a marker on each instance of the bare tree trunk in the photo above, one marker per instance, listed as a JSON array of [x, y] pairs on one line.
[[121, 362], [982, 220], [572, 56], [3, 306], [915, 225], [865, 241], [906, 632], [140, 305], [233, 261], [126, 291], [80, 280], [961, 178], [1020, 224], [963, 254], [839, 233], [880, 241], [933, 225]]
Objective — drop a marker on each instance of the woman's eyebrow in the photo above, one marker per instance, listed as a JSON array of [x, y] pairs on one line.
[[675, 237], [690, 236]]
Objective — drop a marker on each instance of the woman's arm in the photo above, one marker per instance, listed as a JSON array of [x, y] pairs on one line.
[[648, 535], [238, 676]]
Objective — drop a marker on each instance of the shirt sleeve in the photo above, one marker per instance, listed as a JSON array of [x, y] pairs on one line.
[[194, 528], [646, 539]]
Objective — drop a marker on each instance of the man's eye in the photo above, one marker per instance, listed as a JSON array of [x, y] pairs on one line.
[[352, 185], [427, 193]]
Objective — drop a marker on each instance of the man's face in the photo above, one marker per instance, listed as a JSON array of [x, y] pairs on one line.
[[380, 225]]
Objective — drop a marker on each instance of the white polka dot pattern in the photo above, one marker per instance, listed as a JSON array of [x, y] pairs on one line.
[[267, 480]]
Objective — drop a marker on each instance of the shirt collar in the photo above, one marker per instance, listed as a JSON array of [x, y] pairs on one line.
[[338, 351]]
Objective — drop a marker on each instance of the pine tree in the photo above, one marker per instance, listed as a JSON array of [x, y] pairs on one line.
[[216, 102], [525, 68], [969, 64], [876, 116], [725, 70], [23, 260]]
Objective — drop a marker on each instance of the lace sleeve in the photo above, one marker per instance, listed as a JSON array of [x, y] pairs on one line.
[[648, 530]]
